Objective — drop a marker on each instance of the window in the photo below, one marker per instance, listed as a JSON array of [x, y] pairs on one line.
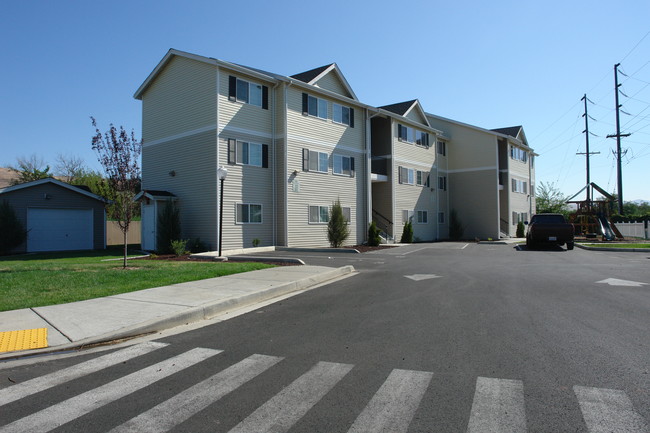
[[406, 175], [343, 165], [319, 214], [442, 183], [247, 92], [315, 161], [407, 216], [314, 106], [518, 217], [518, 154], [342, 114], [422, 178], [405, 133], [421, 138], [441, 217], [346, 214], [519, 186], [423, 217], [442, 148], [249, 213], [245, 153]]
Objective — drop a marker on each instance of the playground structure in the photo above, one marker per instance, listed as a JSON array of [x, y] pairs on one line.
[[592, 217]]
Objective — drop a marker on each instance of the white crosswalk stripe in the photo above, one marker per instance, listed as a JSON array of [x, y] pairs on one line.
[[42, 383], [292, 403], [498, 406], [608, 411], [189, 402], [393, 406], [68, 410]]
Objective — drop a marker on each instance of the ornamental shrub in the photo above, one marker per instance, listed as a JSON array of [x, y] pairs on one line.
[[373, 235], [521, 231], [337, 227], [407, 233]]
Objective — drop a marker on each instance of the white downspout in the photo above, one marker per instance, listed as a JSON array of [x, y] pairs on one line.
[[286, 165], [217, 157], [274, 169], [368, 172]]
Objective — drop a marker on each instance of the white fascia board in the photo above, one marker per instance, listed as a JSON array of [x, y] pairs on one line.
[[55, 182], [403, 119], [335, 67], [418, 106]]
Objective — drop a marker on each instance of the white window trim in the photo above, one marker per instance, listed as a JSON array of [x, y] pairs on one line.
[[317, 116], [319, 214], [239, 143], [237, 204], [250, 83], [419, 212], [334, 106], [410, 216], [337, 155], [318, 154]]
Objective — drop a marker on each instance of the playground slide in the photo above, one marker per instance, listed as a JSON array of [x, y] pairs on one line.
[[605, 228]]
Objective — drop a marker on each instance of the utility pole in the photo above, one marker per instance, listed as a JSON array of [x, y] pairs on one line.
[[618, 136], [587, 153]]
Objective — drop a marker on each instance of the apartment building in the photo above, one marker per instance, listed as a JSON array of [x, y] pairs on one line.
[[292, 146]]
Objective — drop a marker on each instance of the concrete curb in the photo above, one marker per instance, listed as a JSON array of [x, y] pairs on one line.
[[195, 314], [319, 250], [630, 250], [290, 260]]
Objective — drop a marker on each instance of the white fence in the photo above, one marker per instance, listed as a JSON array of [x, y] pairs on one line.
[[636, 230]]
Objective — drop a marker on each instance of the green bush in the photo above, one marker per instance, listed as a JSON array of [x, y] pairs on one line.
[[196, 245], [178, 247], [407, 233], [337, 227], [521, 231], [12, 231], [169, 227], [256, 242], [373, 235]]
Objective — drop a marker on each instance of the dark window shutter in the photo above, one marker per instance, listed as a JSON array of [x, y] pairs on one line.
[[265, 97], [232, 148], [399, 174], [232, 88], [427, 182], [305, 157], [399, 131], [265, 155], [351, 117], [426, 139], [351, 165], [305, 103]]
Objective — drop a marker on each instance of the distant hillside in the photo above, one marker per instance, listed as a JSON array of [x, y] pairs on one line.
[[6, 176]]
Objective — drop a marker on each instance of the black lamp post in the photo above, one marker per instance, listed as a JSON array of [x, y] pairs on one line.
[[222, 172]]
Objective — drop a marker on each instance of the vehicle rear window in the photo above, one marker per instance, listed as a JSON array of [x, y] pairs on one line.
[[549, 219]]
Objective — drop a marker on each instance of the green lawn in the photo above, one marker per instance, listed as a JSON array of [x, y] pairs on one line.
[[604, 245], [34, 280]]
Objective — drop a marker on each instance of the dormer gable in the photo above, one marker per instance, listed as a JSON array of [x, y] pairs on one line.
[[328, 77], [412, 110]]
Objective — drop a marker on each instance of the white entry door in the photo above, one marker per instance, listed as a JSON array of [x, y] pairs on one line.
[[149, 227], [59, 229]]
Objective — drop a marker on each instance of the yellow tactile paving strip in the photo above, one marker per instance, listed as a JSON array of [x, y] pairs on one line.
[[23, 340]]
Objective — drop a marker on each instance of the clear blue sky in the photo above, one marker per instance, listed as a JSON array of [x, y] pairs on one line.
[[490, 64]]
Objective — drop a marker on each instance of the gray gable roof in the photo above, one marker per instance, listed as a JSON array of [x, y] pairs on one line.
[[400, 108], [307, 76], [512, 131]]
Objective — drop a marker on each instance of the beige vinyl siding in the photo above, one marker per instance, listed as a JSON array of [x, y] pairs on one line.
[[474, 196], [247, 184], [471, 148], [416, 116], [59, 198], [323, 189], [319, 131], [240, 115], [332, 83], [193, 159], [180, 99]]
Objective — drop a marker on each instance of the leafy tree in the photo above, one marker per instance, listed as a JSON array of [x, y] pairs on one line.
[[337, 228], [407, 233], [549, 199], [456, 228], [169, 227], [119, 154], [12, 231], [373, 235], [30, 169]]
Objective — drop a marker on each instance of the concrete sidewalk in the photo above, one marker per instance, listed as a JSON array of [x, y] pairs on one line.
[[112, 317]]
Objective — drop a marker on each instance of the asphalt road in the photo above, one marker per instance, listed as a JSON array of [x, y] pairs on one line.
[[446, 337]]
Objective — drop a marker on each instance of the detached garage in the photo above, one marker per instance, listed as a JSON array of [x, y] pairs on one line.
[[58, 216]]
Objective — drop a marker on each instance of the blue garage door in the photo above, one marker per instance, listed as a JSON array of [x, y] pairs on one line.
[[59, 229]]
